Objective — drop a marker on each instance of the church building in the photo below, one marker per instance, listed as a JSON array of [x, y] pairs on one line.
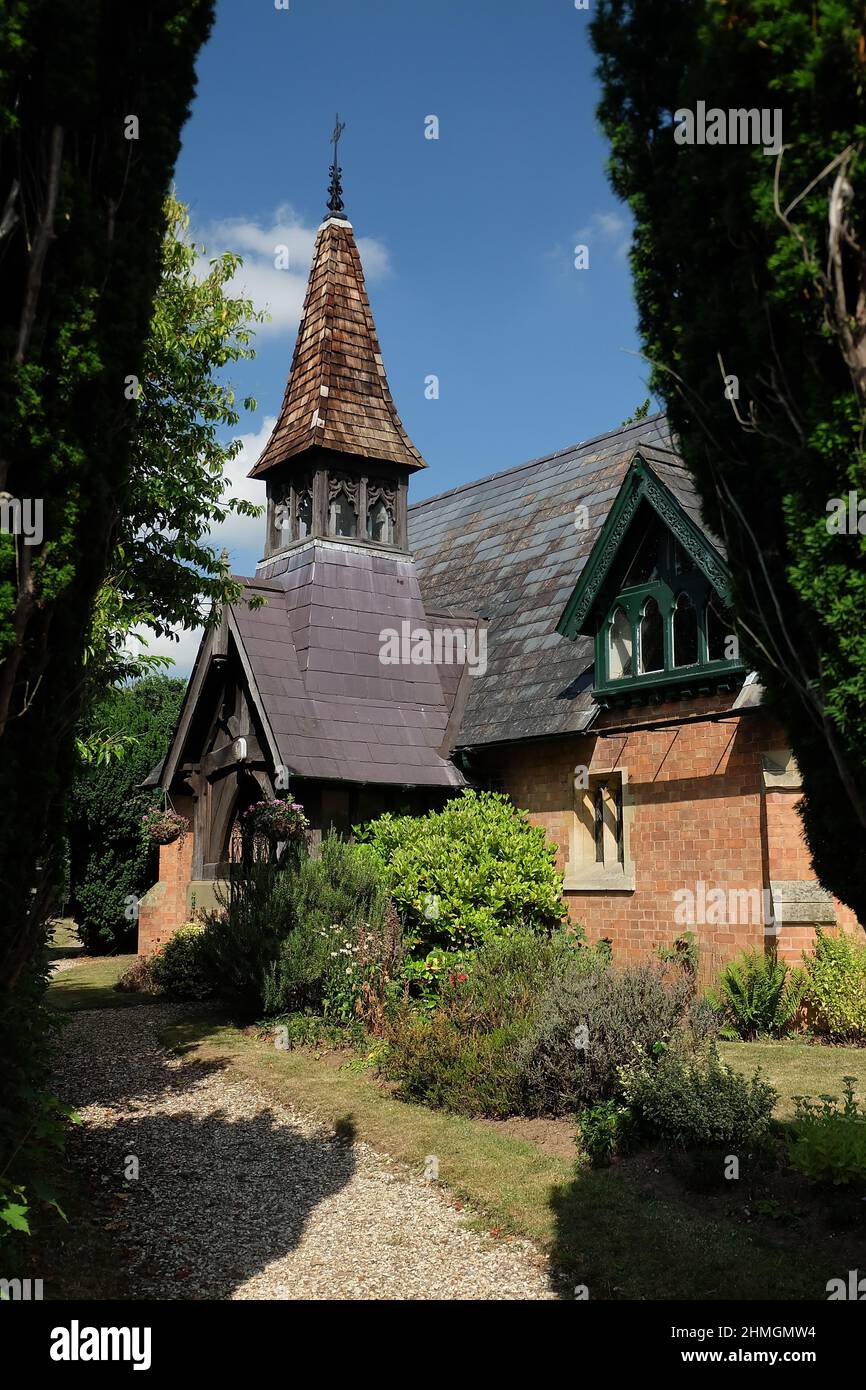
[[558, 631]]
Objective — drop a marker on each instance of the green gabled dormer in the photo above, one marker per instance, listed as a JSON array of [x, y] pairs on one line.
[[655, 593]]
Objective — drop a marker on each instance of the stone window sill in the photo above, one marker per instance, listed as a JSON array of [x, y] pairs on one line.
[[600, 880]]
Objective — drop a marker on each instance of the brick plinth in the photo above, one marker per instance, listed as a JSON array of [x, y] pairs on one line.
[[164, 906]]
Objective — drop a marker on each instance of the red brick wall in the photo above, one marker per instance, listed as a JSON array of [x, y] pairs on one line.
[[701, 812], [163, 908]]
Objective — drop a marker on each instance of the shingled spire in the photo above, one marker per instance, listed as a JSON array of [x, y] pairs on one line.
[[337, 395]]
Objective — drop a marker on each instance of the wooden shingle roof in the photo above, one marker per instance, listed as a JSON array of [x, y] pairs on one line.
[[337, 395]]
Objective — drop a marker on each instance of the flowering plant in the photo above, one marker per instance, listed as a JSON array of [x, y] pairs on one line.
[[277, 821], [162, 825]]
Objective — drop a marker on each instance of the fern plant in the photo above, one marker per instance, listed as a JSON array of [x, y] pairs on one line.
[[758, 995]]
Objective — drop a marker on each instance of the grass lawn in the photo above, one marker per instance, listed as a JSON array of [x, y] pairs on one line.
[[89, 984], [638, 1230], [65, 940], [799, 1068]]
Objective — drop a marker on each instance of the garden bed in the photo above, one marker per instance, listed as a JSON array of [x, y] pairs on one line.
[[639, 1229]]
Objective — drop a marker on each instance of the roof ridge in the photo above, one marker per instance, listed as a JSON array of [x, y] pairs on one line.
[[541, 458]]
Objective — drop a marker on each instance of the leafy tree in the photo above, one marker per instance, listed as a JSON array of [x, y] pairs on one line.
[[640, 413], [110, 865], [92, 100], [163, 575], [749, 270]]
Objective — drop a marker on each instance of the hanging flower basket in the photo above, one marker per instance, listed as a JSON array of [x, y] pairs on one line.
[[162, 825], [276, 821]]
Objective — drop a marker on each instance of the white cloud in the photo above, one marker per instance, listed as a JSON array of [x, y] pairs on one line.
[[245, 532], [278, 291], [610, 229], [181, 652]]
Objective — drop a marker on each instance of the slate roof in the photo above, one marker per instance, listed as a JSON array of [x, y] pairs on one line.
[[507, 547], [337, 394], [335, 710]]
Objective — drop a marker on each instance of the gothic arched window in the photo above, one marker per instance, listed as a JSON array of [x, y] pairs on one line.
[[305, 513], [685, 632], [342, 505], [619, 661], [652, 638], [380, 523]]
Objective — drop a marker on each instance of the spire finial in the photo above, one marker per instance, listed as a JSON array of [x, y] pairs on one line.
[[335, 201]]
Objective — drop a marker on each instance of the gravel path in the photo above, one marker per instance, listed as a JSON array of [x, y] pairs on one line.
[[237, 1197]]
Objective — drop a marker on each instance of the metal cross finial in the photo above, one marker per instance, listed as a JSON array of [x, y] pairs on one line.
[[335, 200]]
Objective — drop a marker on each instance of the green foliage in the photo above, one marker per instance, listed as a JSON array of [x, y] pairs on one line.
[[164, 573], [699, 1102], [464, 1055], [84, 210], [288, 1031], [466, 874], [180, 967], [836, 986], [274, 949], [829, 1141], [605, 1130], [33, 1123], [758, 995], [438, 1064], [683, 951], [111, 865], [640, 413], [589, 1025], [731, 278], [365, 977], [83, 222]]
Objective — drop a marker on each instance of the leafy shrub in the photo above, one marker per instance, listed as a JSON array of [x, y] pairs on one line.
[[33, 1123], [684, 951], [110, 863], [242, 940], [272, 947], [364, 980], [180, 968], [604, 1130], [590, 1024], [469, 1073], [338, 902], [836, 986], [700, 1102], [466, 874], [757, 995], [830, 1142], [138, 978], [465, 1056]]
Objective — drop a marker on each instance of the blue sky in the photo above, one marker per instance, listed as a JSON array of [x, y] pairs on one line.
[[467, 241]]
